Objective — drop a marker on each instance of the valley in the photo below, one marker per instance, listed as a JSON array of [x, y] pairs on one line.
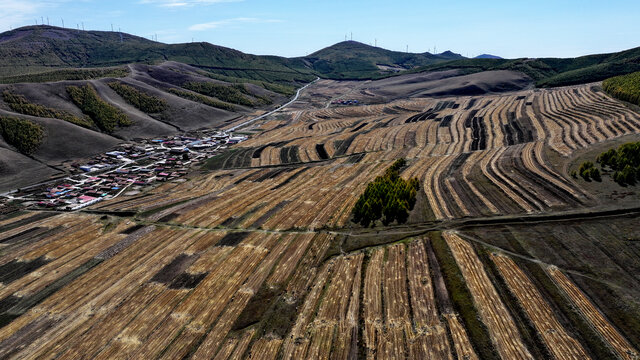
[[255, 255], [190, 201]]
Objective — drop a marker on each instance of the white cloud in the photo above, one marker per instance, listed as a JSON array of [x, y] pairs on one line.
[[184, 3], [226, 22], [15, 13], [18, 12]]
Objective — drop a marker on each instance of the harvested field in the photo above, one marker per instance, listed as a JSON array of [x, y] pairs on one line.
[[131, 302], [282, 198], [609, 333], [557, 340], [522, 132], [254, 255], [503, 331]]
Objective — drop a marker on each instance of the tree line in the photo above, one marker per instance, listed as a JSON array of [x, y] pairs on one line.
[[201, 99], [20, 104], [104, 115], [66, 74], [231, 94], [625, 87], [24, 135], [143, 102], [387, 198]]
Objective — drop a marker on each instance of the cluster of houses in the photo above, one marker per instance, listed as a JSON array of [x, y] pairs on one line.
[[345, 102], [128, 167]]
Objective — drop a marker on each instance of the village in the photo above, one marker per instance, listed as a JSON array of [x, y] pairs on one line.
[[128, 168]]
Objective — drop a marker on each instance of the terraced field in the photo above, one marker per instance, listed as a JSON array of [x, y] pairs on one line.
[[504, 256], [476, 156]]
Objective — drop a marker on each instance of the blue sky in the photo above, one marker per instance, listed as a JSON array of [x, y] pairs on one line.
[[560, 28]]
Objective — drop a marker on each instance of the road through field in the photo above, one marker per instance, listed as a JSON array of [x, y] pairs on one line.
[[273, 111]]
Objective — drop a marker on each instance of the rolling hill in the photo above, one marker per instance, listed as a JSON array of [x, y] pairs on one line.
[[201, 85], [39, 48], [487, 56], [45, 49], [355, 60], [552, 72]]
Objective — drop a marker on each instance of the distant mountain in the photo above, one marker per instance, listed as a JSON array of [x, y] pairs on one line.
[[38, 48], [487, 56], [355, 60], [551, 72], [41, 48], [450, 55]]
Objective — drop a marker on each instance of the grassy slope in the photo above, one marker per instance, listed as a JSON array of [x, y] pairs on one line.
[[37, 48], [354, 60], [552, 72]]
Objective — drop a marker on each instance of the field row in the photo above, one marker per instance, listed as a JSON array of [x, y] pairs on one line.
[[226, 295], [565, 119], [125, 293], [501, 325], [499, 181], [279, 198], [394, 299]]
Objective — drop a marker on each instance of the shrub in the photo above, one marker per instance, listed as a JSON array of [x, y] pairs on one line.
[[24, 135], [20, 104], [104, 115], [388, 198], [146, 103]]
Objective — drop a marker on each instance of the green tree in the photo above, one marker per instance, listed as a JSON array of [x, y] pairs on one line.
[[106, 116], [26, 136]]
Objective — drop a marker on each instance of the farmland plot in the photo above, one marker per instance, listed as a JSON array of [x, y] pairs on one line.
[[247, 258], [557, 340], [609, 333], [138, 292], [494, 314]]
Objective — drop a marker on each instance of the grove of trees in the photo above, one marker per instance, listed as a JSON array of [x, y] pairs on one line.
[[201, 99], [588, 171], [387, 198], [146, 103], [104, 115], [20, 104], [624, 161], [624, 87], [232, 94], [23, 134]]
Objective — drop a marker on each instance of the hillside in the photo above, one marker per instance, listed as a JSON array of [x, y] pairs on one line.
[[149, 100], [355, 60], [199, 85], [45, 52], [552, 72], [487, 248], [624, 87], [38, 48], [487, 56]]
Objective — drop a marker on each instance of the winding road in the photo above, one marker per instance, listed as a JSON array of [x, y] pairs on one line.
[[273, 111]]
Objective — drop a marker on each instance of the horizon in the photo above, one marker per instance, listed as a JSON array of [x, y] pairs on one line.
[[328, 46], [283, 28]]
